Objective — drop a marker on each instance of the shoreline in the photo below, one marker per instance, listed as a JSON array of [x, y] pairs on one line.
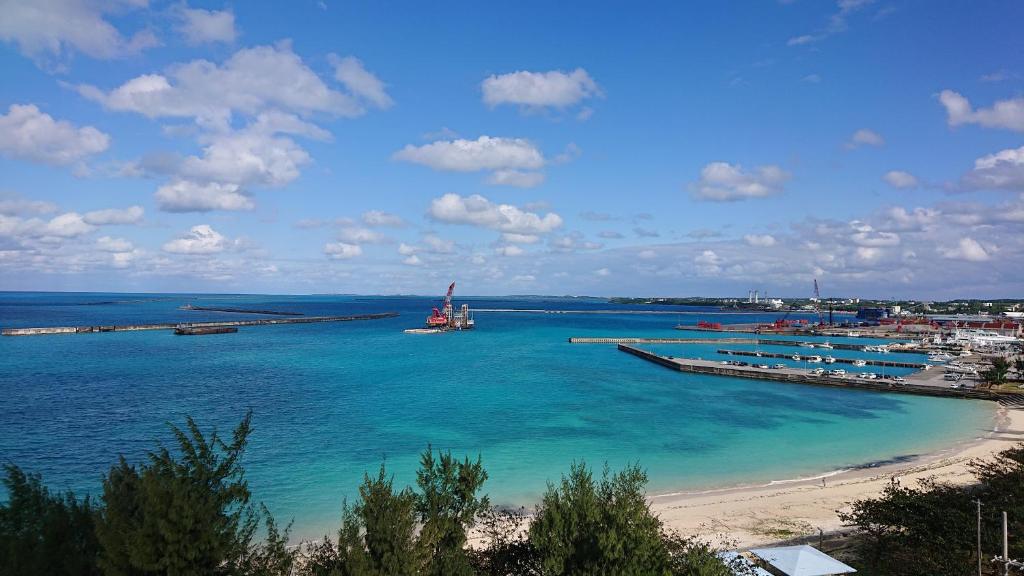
[[765, 513]]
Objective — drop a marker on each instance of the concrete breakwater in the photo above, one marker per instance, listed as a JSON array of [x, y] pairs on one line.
[[172, 325], [804, 377], [886, 363]]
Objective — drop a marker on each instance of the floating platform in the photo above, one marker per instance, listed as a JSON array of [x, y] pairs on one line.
[[204, 330], [174, 325], [795, 376]]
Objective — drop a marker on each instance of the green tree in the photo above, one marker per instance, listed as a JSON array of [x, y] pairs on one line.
[[45, 533], [1001, 488], [377, 535], [185, 514], [997, 373], [604, 527], [922, 531], [1018, 364], [506, 548], [448, 505]]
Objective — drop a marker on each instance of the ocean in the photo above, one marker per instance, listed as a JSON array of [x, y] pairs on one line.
[[333, 401]]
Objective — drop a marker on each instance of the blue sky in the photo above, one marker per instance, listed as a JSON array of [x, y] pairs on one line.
[[700, 148]]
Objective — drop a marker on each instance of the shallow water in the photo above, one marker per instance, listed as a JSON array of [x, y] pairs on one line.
[[333, 400]]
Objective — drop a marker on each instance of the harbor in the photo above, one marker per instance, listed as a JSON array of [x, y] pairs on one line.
[[827, 360], [48, 330], [924, 387]]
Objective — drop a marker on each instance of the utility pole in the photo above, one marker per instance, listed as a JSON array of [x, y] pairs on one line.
[[1005, 558], [978, 502]]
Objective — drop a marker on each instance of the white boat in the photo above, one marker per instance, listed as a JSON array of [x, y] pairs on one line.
[[795, 357], [829, 360], [806, 345], [982, 338], [859, 363], [814, 359], [825, 345]]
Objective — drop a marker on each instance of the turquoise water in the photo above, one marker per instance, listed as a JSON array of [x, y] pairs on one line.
[[331, 401]]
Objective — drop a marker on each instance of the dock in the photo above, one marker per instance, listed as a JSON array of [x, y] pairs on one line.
[[172, 325], [588, 340], [885, 363], [795, 376]]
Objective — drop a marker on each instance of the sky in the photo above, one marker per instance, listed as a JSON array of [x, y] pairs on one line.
[[571, 148]]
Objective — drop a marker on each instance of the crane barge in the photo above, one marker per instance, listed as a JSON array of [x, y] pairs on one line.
[[445, 318]]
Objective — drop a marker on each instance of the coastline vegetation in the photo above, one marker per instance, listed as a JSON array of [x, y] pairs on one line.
[[190, 512]]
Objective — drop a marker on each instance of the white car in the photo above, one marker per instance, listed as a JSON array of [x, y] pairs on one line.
[[779, 366], [818, 371], [837, 372]]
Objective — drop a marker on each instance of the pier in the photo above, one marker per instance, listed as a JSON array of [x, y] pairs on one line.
[[599, 340], [795, 376], [174, 325], [885, 363]]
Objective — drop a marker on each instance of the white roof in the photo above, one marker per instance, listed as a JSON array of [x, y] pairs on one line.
[[802, 561], [730, 557]]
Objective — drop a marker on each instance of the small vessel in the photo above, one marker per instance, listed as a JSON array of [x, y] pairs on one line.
[[829, 360], [825, 345], [859, 363], [795, 357], [807, 345], [814, 359]]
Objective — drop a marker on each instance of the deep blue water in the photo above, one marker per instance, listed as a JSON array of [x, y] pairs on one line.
[[333, 400]]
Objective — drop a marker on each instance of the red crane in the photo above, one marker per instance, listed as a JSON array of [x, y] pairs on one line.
[[440, 318]]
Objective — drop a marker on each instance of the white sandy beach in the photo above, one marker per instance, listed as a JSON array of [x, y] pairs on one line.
[[758, 515]]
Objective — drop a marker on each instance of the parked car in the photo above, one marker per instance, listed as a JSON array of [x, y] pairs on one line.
[[837, 372], [778, 366]]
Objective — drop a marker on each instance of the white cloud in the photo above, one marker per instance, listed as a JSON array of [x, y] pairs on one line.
[[540, 89], [967, 249], [812, 79], [379, 218], [13, 205], [111, 216], [109, 244], [342, 250], [438, 245], [760, 240], [647, 254], [200, 26], [412, 260], [55, 28], [360, 82], [357, 235], [865, 137], [407, 249], [516, 178], [250, 81], [520, 238], [836, 23], [724, 182], [67, 225], [900, 179], [200, 239], [28, 133], [610, 235], [187, 196], [484, 153], [603, 272], [1006, 114], [479, 211], [1003, 170], [511, 250]]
